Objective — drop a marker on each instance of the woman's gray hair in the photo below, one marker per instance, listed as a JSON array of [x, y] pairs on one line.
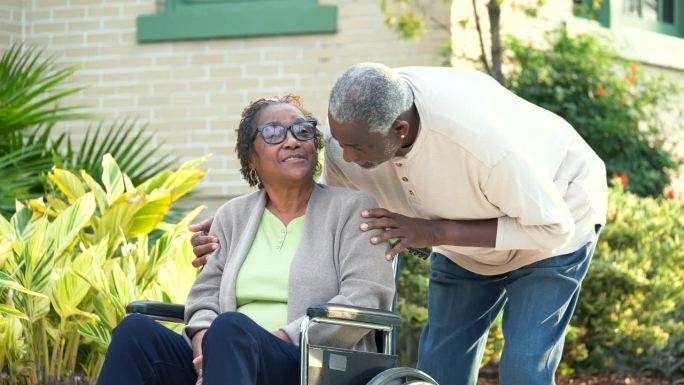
[[369, 95]]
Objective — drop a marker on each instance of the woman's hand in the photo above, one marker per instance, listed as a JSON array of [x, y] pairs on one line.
[[203, 244], [282, 335], [197, 354]]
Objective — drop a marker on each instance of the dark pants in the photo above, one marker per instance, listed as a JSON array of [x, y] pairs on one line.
[[236, 351]]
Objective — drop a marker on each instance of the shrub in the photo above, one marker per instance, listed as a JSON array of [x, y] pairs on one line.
[[631, 310], [613, 104], [72, 261]]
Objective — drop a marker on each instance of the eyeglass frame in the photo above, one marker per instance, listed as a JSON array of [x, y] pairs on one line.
[[260, 130]]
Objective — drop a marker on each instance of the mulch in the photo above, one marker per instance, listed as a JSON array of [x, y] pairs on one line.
[[490, 376]]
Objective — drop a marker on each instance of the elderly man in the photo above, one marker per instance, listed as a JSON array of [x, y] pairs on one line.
[[508, 196]]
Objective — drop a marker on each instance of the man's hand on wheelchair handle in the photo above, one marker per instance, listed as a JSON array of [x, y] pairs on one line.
[[203, 244]]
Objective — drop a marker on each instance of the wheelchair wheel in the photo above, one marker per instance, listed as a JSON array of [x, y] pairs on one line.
[[402, 376]]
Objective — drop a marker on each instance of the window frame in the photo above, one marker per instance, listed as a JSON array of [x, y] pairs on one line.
[[611, 12], [207, 19]]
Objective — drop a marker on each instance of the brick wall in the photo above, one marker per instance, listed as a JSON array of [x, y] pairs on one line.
[[11, 14], [191, 93]]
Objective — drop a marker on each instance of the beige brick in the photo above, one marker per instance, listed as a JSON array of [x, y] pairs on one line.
[[212, 110], [44, 28], [48, 3], [154, 101], [225, 72], [138, 9], [104, 11], [137, 62], [189, 100], [282, 82], [284, 56], [75, 52], [170, 113], [89, 26], [171, 60], [208, 59], [228, 99], [128, 36], [259, 69], [105, 37], [86, 2], [244, 57], [207, 86], [242, 83], [5, 15], [13, 3], [69, 13], [72, 39], [166, 88], [123, 23]]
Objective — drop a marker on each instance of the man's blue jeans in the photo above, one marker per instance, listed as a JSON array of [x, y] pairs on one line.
[[537, 301]]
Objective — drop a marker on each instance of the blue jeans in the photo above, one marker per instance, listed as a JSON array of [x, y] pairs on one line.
[[537, 301], [235, 351]]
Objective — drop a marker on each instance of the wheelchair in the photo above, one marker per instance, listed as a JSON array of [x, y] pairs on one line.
[[326, 365]]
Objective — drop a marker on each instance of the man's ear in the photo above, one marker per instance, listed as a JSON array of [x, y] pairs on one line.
[[400, 128]]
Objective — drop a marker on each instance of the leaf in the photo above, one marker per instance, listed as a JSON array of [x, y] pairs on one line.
[[150, 214], [63, 230], [112, 178], [67, 183], [8, 282], [12, 311]]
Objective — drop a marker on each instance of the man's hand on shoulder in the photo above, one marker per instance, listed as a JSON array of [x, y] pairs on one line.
[[203, 244]]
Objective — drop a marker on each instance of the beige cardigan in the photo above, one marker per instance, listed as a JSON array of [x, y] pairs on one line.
[[334, 263]]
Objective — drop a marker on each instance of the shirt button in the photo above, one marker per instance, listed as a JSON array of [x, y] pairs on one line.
[[399, 164], [411, 192], [405, 179]]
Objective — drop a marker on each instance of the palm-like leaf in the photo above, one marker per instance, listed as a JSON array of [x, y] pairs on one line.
[[30, 90], [22, 175], [126, 143]]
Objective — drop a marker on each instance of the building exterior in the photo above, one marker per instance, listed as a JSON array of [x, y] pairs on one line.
[[186, 68], [191, 91]]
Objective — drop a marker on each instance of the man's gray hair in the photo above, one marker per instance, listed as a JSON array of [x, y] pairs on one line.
[[369, 95]]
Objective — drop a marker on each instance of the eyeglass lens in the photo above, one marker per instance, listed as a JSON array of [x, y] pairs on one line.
[[276, 133]]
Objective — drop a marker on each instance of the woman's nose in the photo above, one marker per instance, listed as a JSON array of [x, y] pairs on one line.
[[290, 140]]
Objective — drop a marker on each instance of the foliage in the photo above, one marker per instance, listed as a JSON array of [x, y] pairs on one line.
[[71, 261], [412, 306], [614, 105], [631, 310], [33, 91]]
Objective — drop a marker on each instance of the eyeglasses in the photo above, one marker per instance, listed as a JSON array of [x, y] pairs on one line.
[[274, 133]]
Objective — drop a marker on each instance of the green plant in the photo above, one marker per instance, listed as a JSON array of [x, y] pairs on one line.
[[631, 311], [33, 93], [71, 261], [614, 105]]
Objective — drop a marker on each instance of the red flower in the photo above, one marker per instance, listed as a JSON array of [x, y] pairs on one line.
[[599, 91], [633, 68], [670, 194], [624, 179], [631, 79]]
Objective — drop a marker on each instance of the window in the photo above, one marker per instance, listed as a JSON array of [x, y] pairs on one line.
[[663, 16], [204, 19]]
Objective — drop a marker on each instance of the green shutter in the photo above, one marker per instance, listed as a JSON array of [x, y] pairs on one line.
[[198, 19]]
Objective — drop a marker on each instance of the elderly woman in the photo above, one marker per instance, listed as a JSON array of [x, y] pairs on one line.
[[291, 244]]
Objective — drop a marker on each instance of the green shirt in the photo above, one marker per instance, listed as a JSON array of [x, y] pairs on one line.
[[263, 281]]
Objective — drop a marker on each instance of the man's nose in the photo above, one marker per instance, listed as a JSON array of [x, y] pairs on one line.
[[348, 155]]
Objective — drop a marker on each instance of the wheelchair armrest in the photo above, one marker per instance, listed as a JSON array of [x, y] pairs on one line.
[[160, 311], [354, 313]]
